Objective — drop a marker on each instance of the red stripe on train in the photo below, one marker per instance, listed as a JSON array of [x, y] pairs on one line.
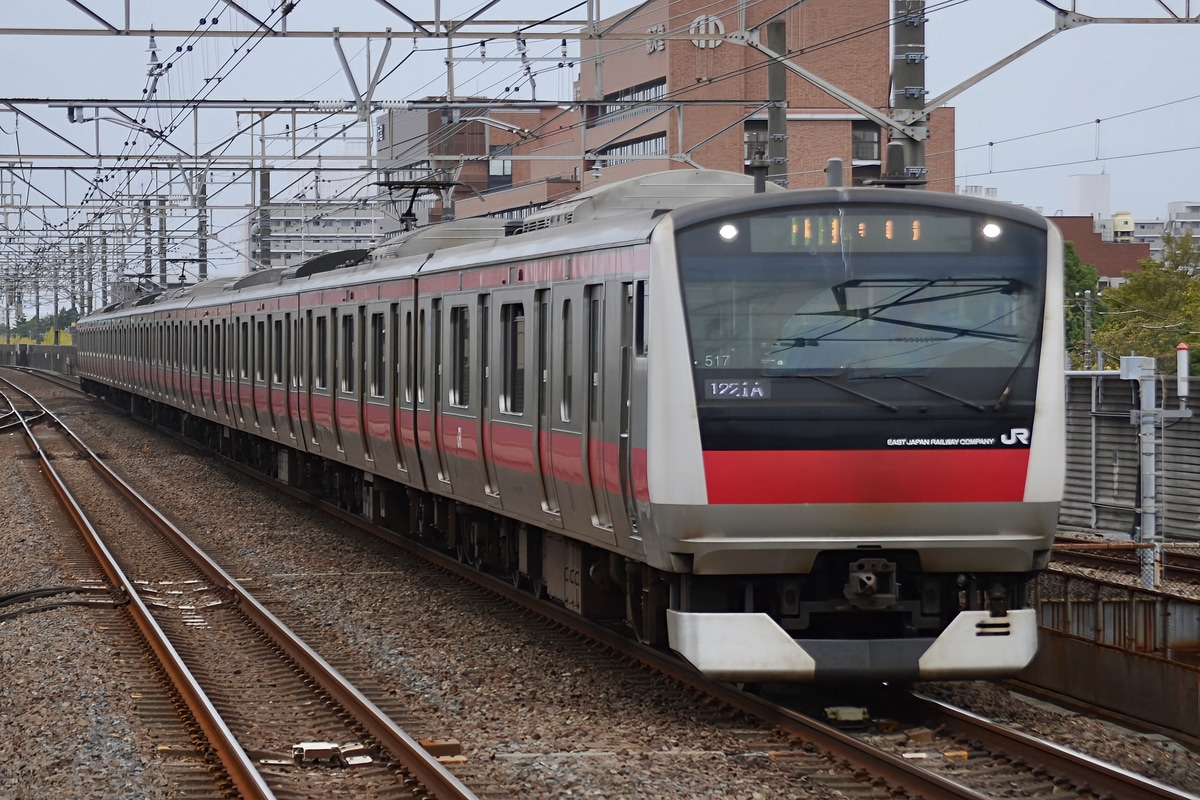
[[865, 476]]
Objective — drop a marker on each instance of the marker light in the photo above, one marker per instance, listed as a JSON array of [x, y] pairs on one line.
[[728, 232]]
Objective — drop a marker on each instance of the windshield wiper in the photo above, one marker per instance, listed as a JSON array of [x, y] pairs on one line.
[[962, 400], [791, 344], [1002, 400], [821, 379]]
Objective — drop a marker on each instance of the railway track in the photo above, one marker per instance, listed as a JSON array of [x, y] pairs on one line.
[[266, 703], [880, 766], [996, 758], [1180, 562]]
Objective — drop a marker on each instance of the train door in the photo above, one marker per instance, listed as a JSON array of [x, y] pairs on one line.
[[491, 486], [631, 307], [437, 399], [393, 377], [347, 383], [207, 403], [543, 456], [241, 367], [596, 477], [567, 410], [283, 362], [407, 344], [428, 334], [258, 395], [375, 418], [460, 422], [220, 395], [334, 368], [273, 376], [308, 382], [173, 372]]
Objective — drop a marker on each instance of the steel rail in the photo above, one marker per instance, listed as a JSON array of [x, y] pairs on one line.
[[1105, 779], [1100, 778], [240, 768], [898, 773], [422, 765]]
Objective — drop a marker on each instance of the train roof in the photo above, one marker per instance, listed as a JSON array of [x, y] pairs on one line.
[[624, 212]]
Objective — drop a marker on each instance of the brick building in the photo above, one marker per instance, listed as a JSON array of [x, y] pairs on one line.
[[650, 104], [1111, 259]]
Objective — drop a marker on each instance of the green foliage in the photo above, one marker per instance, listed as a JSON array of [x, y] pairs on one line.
[[1077, 279], [1157, 308]]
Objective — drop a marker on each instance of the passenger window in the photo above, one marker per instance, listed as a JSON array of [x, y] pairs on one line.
[[378, 356], [568, 363], [512, 325], [321, 379], [348, 363], [460, 356]]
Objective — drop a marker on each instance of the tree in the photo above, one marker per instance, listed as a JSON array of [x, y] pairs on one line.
[[1157, 308], [1077, 279]]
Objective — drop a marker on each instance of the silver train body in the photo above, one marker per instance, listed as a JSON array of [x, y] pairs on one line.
[[796, 435]]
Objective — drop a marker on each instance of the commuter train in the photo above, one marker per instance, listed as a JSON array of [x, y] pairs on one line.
[[802, 435]]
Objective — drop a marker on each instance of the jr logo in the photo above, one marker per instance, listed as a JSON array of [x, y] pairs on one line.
[[1016, 435]]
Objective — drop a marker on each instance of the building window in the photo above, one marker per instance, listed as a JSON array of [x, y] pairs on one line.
[[623, 153], [500, 167], [644, 95], [865, 141]]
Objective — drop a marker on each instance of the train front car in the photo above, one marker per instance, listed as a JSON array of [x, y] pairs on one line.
[[856, 432]]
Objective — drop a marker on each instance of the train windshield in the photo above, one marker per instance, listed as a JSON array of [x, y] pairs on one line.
[[903, 307]]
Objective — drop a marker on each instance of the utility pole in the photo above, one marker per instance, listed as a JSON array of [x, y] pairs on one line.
[[162, 240], [104, 298], [202, 226], [147, 266], [264, 218], [908, 89], [777, 114], [1087, 329]]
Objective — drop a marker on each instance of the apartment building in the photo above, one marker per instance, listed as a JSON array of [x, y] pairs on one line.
[[648, 104]]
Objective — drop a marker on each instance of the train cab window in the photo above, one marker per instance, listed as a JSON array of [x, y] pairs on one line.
[[378, 356], [568, 364], [277, 352], [347, 359], [321, 377], [512, 342], [460, 356]]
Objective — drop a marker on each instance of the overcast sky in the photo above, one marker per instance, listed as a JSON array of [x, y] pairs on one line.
[[1039, 113]]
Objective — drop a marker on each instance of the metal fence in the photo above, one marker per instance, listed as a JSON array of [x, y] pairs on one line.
[[1103, 460]]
